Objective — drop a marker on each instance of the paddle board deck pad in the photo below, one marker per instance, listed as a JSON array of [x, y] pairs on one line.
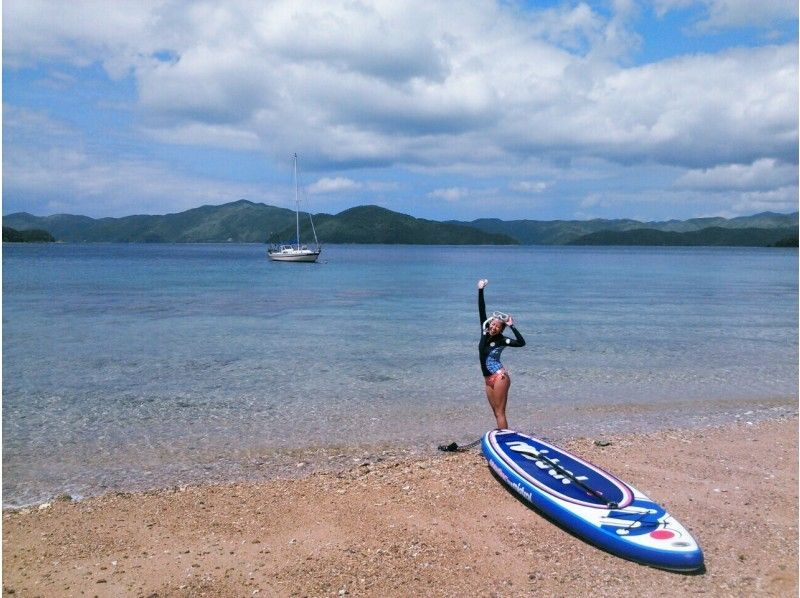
[[590, 502]]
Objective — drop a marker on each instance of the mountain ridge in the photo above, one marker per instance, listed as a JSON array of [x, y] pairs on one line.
[[561, 232], [244, 221]]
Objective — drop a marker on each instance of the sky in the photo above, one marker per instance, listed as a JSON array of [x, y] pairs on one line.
[[445, 110]]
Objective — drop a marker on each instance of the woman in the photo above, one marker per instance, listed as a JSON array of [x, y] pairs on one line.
[[491, 345]]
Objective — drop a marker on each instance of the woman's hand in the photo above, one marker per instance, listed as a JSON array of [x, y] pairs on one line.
[[482, 283], [510, 320]]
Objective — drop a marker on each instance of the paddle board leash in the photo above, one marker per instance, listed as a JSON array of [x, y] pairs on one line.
[[455, 447], [566, 473]]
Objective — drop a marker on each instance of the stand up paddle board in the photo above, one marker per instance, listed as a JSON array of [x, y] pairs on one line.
[[590, 502]]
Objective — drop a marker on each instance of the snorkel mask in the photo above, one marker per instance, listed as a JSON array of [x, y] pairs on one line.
[[497, 315]]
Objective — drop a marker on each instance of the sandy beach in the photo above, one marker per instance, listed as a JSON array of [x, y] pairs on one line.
[[437, 526]]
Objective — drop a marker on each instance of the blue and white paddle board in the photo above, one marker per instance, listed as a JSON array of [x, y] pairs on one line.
[[590, 502]]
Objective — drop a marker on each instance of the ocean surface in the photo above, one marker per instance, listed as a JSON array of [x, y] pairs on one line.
[[128, 367]]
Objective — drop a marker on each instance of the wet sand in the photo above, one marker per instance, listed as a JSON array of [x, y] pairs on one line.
[[435, 526]]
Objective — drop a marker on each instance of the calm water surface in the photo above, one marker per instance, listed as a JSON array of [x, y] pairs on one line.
[[134, 366]]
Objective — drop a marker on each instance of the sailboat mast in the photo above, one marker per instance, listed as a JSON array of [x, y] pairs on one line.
[[296, 202]]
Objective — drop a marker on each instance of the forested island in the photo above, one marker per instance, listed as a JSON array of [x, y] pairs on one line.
[[729, 237], [248, 222]]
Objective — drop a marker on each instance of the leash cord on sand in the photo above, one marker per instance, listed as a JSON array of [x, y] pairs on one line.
[[455, 447]]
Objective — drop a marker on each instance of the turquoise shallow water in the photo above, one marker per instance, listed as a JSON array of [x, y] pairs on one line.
[[133, 366]]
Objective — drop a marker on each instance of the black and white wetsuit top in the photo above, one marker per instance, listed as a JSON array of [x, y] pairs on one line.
[[490, 347]]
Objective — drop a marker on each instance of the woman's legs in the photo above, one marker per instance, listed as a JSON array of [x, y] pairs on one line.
[[498, 397]]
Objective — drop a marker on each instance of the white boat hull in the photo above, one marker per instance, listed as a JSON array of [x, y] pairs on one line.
[[293, 256]]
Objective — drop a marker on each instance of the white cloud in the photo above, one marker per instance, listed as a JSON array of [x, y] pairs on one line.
[[783, 199], [381, 83], [334, 185], [470, 87], [763, 174], [450, 193], [54, 171], [662, 203], [120, 34], [529, 186], [64, 180]]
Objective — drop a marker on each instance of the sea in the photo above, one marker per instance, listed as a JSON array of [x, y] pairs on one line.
[[128, 367]]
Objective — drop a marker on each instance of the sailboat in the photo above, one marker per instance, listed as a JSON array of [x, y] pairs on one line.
[[297, 252]]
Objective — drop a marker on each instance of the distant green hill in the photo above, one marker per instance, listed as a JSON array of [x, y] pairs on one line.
[[12, 235], [240, 221], [373, 224], [247, 222], [548, 232], [560, 232], [714, 235]]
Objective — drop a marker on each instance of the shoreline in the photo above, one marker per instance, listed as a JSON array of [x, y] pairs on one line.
[[422, 525], [259, 466], [253, 465]]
